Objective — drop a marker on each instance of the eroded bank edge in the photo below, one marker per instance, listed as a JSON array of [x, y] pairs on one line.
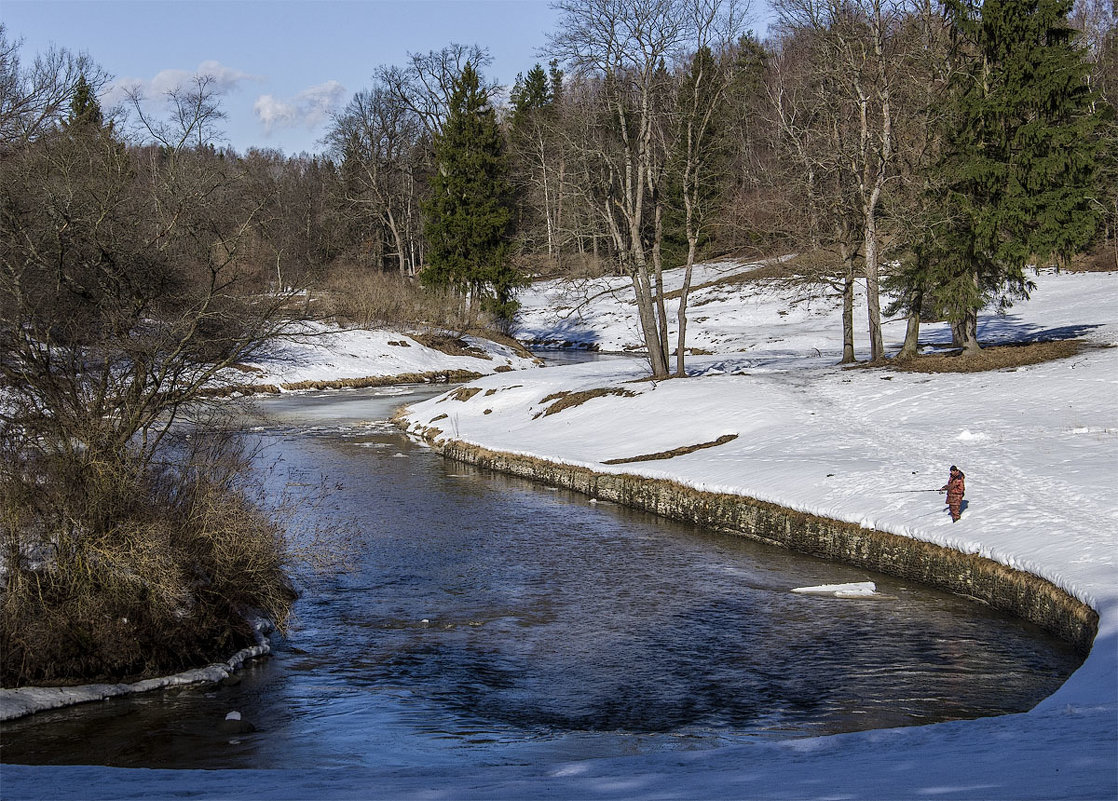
[[20, 702], [1023, 594], [398, 379]]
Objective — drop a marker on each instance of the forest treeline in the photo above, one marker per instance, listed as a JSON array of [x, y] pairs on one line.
[[956, 142], [931, 151]]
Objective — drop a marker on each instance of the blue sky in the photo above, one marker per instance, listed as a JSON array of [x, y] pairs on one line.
[[285, 64]]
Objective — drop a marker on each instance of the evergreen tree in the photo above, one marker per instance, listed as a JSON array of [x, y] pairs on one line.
[[533, 92], [1020, 154], [85, 111], [469, 212]]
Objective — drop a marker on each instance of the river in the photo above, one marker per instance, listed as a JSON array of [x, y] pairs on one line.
[[487, 620]]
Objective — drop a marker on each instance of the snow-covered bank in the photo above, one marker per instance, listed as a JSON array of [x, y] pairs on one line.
[[1039, 445], [323, 355], [1039, 449], [22, 701]]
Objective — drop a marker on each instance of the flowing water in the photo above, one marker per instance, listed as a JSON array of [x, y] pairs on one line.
[[487, 620]]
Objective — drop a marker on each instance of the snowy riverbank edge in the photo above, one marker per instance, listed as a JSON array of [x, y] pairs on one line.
[[1038, 447], [22, 701]]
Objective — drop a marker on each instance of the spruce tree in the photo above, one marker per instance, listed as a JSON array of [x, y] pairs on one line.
[[528, 94], [85, 111], [469, 212], [1020, 154]]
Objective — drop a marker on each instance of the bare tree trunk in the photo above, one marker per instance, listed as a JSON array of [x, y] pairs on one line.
[[684, 294], [646, 310], [873, 299], [658, 271], [848, 320], [397, 238], [911, 337], [847, 306]]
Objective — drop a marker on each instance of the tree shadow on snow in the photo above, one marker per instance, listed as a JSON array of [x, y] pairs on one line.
[[1012, 330], [569, 333]]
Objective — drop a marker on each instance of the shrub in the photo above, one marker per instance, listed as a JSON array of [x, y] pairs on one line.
[[120, 570], [372, 299]]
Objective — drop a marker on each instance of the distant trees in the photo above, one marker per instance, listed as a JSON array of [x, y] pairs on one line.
[[378, 141], [35, 98], [1098, 21], [911, 142], [660, 136], [535, 141], [994, 168]]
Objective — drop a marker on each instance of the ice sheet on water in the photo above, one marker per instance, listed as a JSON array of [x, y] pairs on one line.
[[854, 589]]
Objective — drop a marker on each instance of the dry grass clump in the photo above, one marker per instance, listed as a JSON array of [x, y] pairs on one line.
[[671, 454], [431, 377], [568, 400], [450, 345], [371, 299], [374, 299], [993, 357], [116, 571], [465, 393]]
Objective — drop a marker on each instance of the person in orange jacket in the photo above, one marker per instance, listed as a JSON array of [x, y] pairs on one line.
[[956, 488]]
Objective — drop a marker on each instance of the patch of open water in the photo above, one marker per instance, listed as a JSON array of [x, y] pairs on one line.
[[493, 621]]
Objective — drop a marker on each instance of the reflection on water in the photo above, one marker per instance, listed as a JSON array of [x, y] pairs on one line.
[[494, 621]]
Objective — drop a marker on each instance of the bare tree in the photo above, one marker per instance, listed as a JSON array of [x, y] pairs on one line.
[[192, 113], [923, 75], [813, 137], [375, 139], [624, 50], [424, 86], [126, 293], [35, 99], [852, 65], [703, 90]]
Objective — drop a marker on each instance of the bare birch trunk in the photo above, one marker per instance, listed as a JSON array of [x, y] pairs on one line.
[[658, 272], [847, 307]]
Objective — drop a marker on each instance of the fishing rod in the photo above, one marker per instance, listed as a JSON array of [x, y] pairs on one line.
[[897, 492]]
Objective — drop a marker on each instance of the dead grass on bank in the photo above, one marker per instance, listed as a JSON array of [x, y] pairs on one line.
[[992, 357], [433, 377], [651, 457], [568, 400], [450, 345], [116, 570]]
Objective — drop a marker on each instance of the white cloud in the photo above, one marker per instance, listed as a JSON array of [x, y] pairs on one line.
[[307, 109], [225, 79]]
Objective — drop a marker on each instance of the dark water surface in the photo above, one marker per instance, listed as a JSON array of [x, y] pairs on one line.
[[492, 621]]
